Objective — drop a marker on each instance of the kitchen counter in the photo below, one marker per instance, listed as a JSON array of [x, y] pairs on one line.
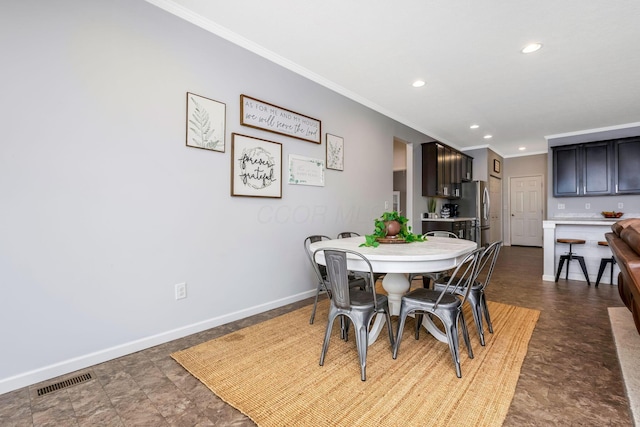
[[592, 230], [456, 219], [582, 221]]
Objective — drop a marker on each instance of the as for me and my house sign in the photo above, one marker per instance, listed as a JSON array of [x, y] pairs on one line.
[[262, 115]]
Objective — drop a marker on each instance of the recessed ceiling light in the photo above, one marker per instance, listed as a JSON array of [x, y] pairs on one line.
[[474, 127], [522, 148], [531, 47], [418, 83], [488, 136]]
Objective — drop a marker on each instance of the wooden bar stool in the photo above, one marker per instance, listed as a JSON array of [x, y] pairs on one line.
[[603, 265], [570, 256]]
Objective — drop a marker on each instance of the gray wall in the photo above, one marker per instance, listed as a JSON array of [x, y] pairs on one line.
[[104, 209]]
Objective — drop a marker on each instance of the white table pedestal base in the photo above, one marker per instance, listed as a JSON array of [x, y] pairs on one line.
[[396, 285]]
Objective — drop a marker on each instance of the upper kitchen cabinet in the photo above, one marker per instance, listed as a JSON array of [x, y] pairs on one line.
[[597, 168], [443, 170], [467, 168], [566, 167], [582, 170], [627, 166]]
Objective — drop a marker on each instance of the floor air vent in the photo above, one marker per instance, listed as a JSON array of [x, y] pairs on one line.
[[64, 384]]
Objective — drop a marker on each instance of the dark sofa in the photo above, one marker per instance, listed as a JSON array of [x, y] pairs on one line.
[[624, 241]]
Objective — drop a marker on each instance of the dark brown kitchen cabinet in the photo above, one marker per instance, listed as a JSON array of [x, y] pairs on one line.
[[566, 178], [597, 158], [467, 168], [627, 166], [442, 170], [598, 168]]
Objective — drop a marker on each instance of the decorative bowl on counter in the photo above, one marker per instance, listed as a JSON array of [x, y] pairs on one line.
[[612, 214]]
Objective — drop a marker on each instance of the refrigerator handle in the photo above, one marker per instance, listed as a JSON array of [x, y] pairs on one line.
[[487, 203]]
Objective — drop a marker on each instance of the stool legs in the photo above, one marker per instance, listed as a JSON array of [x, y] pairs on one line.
[[603, 265], [568, 258]]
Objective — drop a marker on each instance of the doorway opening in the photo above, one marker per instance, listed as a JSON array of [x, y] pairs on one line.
[[403, 178]]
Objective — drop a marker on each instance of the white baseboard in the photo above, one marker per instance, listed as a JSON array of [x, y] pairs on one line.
[[67, 366]]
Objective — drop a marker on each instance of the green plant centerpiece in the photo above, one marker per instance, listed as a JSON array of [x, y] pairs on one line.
[[391, 225]]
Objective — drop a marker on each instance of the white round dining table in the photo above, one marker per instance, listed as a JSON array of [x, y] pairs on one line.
[[396, 260]]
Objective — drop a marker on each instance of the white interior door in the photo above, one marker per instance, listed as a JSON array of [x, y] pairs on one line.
[[526, 210]]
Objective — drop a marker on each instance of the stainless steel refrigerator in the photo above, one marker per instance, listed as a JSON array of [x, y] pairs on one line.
[[475, 203]]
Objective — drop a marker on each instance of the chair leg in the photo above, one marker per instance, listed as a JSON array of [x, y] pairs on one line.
[[476, 311], [344, 328], [603, 265], [583, 267], [613, 262], [327, 336], [485, 309], [315, 304], [451, 328], [362, 341], [389, 327], [401, 319], [562, 259], [465, 334], [418, 318]]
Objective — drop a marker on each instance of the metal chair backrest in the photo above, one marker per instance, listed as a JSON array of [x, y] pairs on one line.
[[488, 261], [463, 276], [441, 233], [346, 234], [338, 274], [319, 269]]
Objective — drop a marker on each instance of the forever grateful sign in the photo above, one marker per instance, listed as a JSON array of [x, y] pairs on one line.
[[262, 115]]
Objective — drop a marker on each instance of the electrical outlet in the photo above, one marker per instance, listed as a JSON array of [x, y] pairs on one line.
[[587, 205], [560, 205], [620, 205], [386, 205], [181, 290]]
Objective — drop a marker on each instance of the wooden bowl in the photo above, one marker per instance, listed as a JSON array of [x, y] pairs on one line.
[[612, 214]]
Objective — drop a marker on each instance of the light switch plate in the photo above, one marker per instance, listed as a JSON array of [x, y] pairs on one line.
[[560, 205]]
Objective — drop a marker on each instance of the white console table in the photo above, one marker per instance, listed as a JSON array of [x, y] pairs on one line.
[[591, 230]]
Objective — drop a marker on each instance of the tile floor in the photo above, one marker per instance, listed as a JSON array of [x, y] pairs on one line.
[[570, 377]]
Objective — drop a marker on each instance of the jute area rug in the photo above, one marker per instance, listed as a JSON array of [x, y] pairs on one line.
[[270, 372], [627, 342]]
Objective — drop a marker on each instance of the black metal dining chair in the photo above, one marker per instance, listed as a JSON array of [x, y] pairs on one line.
[[446, 305], [321, 273], [432, 276], [357, 305], [477, 298]]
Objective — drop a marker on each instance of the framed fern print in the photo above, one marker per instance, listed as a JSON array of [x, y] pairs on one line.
[[335, 152], [206, 120]]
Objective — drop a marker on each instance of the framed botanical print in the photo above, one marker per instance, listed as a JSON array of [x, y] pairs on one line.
[[205, 123], [335, 152]]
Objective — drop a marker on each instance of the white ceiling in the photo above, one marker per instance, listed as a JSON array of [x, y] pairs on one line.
[[586, 76]]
